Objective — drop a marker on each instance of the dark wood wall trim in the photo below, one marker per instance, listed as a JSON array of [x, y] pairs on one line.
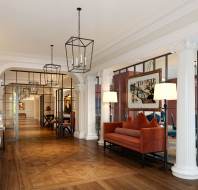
[[120, 84], [142, 62]]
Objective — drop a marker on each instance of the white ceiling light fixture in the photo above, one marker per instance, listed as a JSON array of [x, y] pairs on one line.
[[79, 52]]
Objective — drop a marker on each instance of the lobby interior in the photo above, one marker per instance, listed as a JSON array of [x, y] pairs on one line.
[[57, 128]]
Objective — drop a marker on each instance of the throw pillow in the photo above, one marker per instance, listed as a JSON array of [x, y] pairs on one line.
[[127, 124], [153, 123], [140, 122]]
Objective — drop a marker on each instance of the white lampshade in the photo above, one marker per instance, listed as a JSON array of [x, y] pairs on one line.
[[165, 91], [110, 96]]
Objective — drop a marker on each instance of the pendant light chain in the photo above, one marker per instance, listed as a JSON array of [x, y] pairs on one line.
[[78, 60], [51, 71], [52, 54], [79, 9]]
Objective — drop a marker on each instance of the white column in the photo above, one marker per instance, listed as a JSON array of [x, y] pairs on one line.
[[90, 116], [185, 166], [106, 81], [1, 98], [80, 130]]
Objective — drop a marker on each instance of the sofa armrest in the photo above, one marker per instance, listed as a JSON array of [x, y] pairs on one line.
[[152, 140], [110, 127]]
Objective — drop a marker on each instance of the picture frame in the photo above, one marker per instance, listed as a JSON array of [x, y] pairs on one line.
[[21, 106], [67, 104], [140, 91]]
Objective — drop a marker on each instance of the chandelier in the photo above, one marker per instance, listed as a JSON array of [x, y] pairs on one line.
[[51, 72], [33, 86], [79, 52], [24, 92]]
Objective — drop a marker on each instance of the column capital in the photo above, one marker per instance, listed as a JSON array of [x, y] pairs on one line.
[[189, 44], [80, 86], [106, 72], [90, 77]]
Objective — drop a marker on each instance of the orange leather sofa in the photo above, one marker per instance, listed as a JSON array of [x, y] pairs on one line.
[[139, 135]]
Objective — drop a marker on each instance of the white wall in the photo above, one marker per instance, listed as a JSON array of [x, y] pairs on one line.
[[173, 61], [29, 108], [32, 107]]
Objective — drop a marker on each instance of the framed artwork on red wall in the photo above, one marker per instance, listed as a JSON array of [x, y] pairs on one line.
[[141, 91]]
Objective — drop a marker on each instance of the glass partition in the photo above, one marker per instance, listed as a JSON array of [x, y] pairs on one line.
[[11, 101]]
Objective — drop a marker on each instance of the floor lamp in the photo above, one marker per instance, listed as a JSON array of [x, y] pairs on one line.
[[110, 97], [165, 91]]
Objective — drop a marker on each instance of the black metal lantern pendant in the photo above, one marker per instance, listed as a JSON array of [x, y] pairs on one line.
[[26, 92], [79, 52], [33, 85], [51, 72]]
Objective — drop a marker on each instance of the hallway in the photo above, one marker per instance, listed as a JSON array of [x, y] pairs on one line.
[[30, 128], [41, 161]]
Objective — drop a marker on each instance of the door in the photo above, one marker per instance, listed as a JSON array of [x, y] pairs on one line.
[[59, 105], [11, 112]]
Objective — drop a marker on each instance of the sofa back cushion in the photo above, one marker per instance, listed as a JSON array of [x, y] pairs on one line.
[[153, 123], [139, 122], [128, 132], [127, 124]]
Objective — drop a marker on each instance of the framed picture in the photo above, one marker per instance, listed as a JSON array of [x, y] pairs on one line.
[[141, 91], [67, 104], [21, 106]]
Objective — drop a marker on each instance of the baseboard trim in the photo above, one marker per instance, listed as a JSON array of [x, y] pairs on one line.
[[79, 135], [91, 137], [101, 142]]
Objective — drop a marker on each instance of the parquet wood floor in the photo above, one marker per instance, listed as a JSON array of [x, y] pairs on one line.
[[40, 161]]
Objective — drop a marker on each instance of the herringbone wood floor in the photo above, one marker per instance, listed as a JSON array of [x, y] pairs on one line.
[[41, 161]]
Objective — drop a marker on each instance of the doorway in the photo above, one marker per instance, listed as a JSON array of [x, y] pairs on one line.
[[26, 96]]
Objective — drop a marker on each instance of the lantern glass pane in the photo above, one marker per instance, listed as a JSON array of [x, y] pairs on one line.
[[51, 74], [79, 54]]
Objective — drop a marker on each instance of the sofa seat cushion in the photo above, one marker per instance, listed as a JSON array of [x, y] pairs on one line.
[[129, 132], [123, 139]]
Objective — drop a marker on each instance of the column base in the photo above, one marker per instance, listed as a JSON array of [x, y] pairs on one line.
[[185, 173], [101, 142], [79, 135], [91, 137]]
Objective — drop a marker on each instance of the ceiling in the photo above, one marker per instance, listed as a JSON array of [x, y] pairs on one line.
[[29, 27]]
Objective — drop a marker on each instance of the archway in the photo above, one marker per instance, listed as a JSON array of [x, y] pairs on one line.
[[17, 77]]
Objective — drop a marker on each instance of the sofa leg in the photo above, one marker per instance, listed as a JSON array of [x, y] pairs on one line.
[[104, 145], [143, 160]]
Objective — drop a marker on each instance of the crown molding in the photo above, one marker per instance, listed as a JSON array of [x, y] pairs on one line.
[[172, 42], [175, 20], [152, 25]]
